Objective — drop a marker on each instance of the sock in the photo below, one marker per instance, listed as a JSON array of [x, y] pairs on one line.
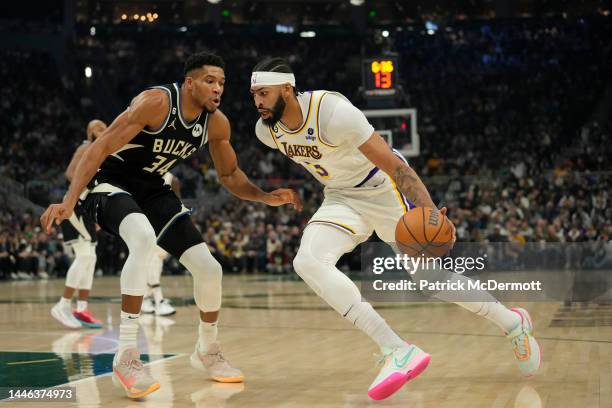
[[81, 305], [499, 314], [208, 335], [128, 331], [157, 294], [364, 316], [65, 302]]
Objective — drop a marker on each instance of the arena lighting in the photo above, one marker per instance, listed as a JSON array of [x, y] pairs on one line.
[[308, 34], [155, 15], [284, 29], [357, 2], [92, 31], [88, 72], [385, 33], [142, 18], [124, 16], [136, 16], [214, 1], [183, 29]]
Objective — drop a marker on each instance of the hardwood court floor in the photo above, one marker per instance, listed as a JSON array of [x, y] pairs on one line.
[[296, 352]]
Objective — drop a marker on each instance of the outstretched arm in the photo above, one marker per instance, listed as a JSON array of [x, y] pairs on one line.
[[229, 173], [148, 108]]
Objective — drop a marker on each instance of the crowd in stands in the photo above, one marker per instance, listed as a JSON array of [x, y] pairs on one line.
[[507, 142]]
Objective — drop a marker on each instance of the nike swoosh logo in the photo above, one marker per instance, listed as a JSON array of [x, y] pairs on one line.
[[401, 363], [279, 136]]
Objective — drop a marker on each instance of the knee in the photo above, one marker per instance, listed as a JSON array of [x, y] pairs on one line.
[[211, 268], [201, 264], [303, 262], [138, 234], [145, 239]]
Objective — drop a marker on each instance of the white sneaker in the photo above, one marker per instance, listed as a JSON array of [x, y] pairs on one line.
[[130, 374], [164, 308], [401, 365], [217, 367], [64, 316], [24, 275], [526, 348], [147, 305]]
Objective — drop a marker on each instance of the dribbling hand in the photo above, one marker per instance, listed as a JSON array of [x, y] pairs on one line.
[[443, 211]]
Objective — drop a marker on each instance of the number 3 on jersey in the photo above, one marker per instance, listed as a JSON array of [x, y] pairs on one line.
[[320, 170], [159, 160]]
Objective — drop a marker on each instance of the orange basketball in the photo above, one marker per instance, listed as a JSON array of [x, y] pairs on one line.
[[423, 231]]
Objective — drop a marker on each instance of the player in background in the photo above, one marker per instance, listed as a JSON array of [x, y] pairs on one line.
[[368, 187], [79, 234]]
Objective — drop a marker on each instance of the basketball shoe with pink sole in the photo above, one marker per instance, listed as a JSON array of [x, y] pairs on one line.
[[401, 365]]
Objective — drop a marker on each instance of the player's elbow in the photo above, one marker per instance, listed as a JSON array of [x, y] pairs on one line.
[[228, 180]]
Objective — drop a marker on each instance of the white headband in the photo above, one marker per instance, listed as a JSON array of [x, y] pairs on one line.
[[262, 78]]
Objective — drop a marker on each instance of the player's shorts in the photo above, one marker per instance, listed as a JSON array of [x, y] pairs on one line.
[[377, 205], [78, 228], [109, 204]]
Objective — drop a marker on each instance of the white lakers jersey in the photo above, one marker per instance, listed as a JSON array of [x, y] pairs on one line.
[[327, 142]]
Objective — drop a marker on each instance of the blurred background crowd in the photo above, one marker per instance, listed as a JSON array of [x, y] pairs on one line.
[[513, 117]]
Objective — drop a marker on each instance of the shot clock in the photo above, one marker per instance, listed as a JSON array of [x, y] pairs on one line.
[[380, 76]]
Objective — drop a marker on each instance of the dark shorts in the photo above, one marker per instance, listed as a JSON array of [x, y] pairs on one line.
[[78, 227], [108, 205]]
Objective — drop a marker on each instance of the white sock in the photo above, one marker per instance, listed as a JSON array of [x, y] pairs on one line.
[[207, 335], [81, 305], [65, 302], [499, 314], [157, 294], [128, 331], [364, 316]]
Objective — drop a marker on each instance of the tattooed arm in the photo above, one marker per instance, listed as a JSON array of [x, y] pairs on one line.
[[406, 179]]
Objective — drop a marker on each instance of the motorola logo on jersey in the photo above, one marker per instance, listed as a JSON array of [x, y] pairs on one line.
[[197, 130], [174, 147], [301, 151]]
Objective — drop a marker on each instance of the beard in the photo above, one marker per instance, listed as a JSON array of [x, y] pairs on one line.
[[277, 112]]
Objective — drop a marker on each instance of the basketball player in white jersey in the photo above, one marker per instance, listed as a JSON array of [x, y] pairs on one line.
[[368, 187], [154, 302], [79, 236]]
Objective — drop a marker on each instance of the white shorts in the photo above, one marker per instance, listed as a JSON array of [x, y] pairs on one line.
[[376, 206]]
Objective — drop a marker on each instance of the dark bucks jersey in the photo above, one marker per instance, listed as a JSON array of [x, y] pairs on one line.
[[140, 165]]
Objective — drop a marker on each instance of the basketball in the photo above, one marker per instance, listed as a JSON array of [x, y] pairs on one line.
[[424, 231]]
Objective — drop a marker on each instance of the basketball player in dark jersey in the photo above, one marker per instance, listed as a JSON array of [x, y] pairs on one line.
[[79, 233], [162, 126]]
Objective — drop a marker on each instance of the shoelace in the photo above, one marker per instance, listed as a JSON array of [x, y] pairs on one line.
[[520, 345], [134, 364], [219, 357]]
